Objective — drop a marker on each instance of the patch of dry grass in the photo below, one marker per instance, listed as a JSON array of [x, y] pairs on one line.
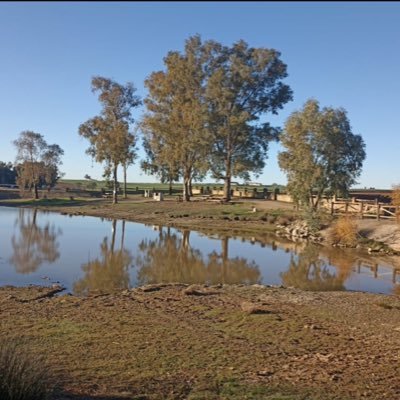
[[344, 231], [22, 376]]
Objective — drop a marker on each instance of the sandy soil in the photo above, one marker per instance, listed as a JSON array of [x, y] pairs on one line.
[[387, 232]]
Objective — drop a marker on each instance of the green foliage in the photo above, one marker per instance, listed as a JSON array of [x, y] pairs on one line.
[[37, 161], [315, 219], [243, 84], [321, 154], [203, 112], [8, 173], [111, 141], [175, 137], [22, 375]]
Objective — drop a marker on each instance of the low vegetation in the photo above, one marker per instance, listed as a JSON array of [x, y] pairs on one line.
[[345, 232], [22, 375]]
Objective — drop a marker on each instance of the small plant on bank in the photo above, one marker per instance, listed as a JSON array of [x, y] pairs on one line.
[[22, 376], [315, 219], [345, 232], [396, 200]]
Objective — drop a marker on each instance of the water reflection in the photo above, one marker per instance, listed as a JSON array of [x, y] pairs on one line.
[[171, 255], [308, 271], [170, 258], [34, 244], [110, 271]]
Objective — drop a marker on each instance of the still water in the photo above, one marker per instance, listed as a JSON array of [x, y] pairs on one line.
[[87, 254]]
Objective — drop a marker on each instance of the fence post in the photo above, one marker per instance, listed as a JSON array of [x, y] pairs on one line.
[[378, 211], [362, 210], [346, 208], [332, 207]]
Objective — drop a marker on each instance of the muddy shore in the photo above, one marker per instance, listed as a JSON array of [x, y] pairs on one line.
[[223, 342]]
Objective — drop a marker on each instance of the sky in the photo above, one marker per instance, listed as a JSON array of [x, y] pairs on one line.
[[343, 54]]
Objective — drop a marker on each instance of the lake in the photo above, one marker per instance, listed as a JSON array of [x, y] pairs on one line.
[[89, 254]]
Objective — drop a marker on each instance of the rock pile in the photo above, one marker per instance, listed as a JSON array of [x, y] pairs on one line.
[[298, 230]]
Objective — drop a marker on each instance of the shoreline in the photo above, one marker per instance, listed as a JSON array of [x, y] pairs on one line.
[[236, 218]]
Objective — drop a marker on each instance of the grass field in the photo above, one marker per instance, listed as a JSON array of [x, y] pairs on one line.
[[77, 183]]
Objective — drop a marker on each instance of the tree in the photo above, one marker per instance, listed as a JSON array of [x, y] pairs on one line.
[[243, 84], [111, 141], [174, 127], [321, 154], [37, 162], [51, 162], [8, 173]]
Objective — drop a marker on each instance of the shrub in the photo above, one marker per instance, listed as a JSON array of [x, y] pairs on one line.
[[316, 219], [22, 376], [344, 231], [396, 199]]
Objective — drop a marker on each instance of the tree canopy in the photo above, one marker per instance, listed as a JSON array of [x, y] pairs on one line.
[[321, 154], [244, 84], [111, 141], [174, 127], [204, 111], [37, 161]]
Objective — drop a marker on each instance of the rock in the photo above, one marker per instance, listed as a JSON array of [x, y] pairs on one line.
[[252, 308], [197, 290], [150, 288], [265, 372]]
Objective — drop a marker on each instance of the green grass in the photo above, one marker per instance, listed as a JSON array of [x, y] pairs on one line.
[[161, 186]]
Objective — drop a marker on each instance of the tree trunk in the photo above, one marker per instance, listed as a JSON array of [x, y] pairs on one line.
[[36, 191], [170, 187], [186, 194], [227, 179], [190, 187], [186, 186], [125, 194], [115, 196]]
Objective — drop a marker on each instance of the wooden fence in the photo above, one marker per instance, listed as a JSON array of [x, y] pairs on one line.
[[364, 209]]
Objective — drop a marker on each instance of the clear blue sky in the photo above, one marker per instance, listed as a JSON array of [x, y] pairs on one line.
[[343, 54]]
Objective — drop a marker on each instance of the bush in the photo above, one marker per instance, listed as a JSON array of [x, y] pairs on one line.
[[396, 200], [316, 219], [22, 376], [344, 231]]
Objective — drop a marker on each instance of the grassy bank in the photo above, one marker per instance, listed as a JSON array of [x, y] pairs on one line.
[[234, 218]]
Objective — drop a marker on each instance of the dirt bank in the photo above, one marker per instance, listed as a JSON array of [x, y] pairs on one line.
[[228, 342]]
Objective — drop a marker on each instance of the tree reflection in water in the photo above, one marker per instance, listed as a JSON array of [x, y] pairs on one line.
[[171, 259], [109, 272], [311, 272], [35, 244]]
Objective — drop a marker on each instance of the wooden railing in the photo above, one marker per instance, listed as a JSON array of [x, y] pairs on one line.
[[364, 209]]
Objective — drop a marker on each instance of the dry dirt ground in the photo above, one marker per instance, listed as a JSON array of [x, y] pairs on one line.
[[387, 232], [224, 342]]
